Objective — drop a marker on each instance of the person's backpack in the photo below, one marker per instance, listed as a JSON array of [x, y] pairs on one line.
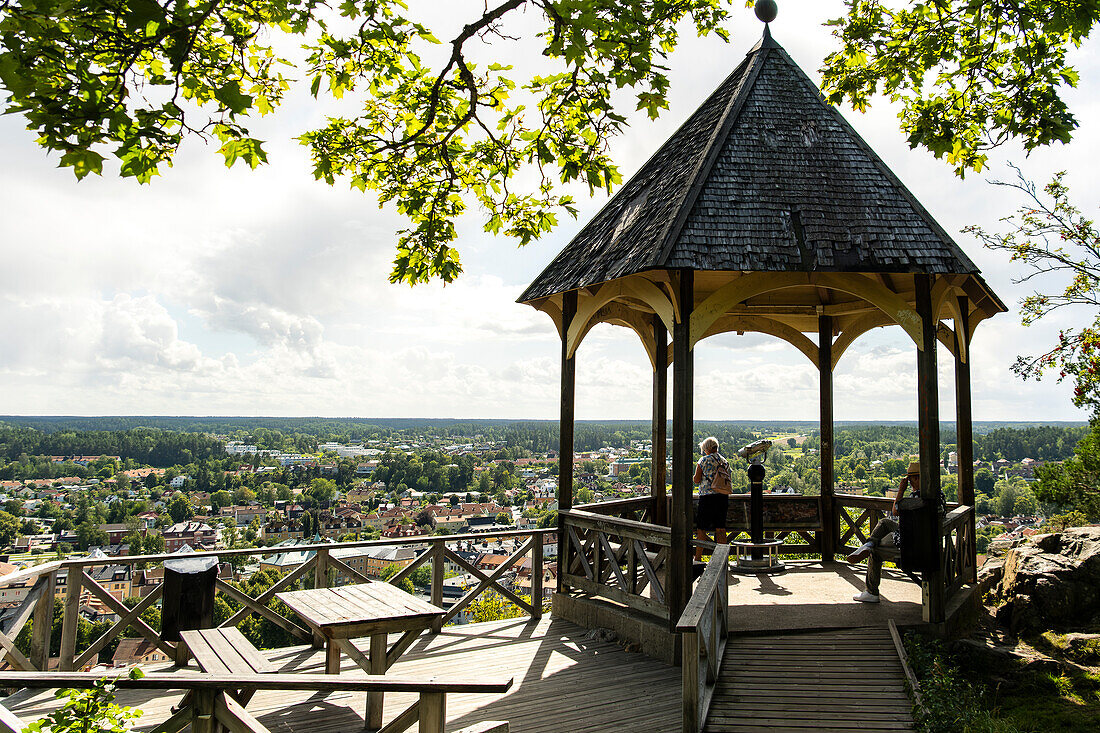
[[723, 479]]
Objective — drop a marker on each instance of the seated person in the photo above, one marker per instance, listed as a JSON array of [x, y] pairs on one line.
[[884, 538], [712, 505]]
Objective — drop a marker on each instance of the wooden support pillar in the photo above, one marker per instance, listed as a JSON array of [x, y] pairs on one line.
[[683, 452], [829, 521], [964, 424], [658, 454], [928, 410], [565, 432]]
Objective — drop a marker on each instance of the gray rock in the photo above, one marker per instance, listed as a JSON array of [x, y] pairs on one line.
[[1051, 582]]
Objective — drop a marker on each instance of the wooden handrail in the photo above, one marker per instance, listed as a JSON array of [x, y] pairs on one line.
[[321, 682], [31, 573], [628, 527], [244, 552], [955, 517]]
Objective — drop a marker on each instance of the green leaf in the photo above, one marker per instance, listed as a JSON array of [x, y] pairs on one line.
[[82, 162], [231, 96]]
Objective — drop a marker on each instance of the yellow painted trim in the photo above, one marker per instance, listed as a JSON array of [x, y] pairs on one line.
[[761, 324], [879, 296], [718, 303], [637, 288], [855, 329]]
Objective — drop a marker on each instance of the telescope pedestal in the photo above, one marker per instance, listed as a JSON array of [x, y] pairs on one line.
[[757, 556]]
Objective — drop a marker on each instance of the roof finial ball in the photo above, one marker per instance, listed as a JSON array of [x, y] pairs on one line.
[[766, 10]]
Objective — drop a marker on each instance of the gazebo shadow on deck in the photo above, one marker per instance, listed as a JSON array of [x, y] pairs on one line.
[[811, 596]]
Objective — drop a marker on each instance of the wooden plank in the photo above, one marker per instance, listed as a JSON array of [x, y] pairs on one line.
[[256, 660], [297, 681], [204, 654]]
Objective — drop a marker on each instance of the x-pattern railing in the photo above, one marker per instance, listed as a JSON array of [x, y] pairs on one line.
[[620, 559], [321, 568]]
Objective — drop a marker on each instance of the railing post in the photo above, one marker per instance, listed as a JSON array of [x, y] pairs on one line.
[[320, 580], [689, 674], [433, 712], [438, 562], [536, 576], [74, 582], [43, 625]]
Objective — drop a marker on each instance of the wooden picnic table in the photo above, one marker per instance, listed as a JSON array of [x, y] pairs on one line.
[[366, 609]]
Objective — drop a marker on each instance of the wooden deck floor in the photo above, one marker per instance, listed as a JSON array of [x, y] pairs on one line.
[[564, 681], [828, 682], [810, 595]]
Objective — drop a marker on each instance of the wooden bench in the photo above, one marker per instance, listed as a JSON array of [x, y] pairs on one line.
[[227, 651]]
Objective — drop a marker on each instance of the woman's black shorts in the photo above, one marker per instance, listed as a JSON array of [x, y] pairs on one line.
[[712, 511]]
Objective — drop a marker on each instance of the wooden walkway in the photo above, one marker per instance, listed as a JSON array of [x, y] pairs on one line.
[[834, 681]]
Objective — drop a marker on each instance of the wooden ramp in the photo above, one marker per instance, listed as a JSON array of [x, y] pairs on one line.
[[830, 681]]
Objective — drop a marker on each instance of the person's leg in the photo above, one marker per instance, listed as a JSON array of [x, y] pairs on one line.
[[884, 528], [700, 535]]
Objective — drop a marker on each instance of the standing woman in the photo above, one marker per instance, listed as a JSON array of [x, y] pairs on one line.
[[712, 505]]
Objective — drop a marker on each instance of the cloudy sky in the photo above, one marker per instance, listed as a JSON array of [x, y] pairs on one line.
[[238, 292]]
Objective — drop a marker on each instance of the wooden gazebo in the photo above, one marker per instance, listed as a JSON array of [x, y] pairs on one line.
[[764, 212]]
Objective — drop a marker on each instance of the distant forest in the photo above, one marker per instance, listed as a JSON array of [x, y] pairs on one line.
[[166, 441]]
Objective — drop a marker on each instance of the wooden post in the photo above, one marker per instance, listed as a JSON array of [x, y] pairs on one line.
[[683, 392], [964, 425], [829, 522], [433, 712], [202, 711], [658, 454], [375, 700], [928, 410], [536, 575], [438, 561], [565, 432], [320, 580], [74, 583], [43, 625]]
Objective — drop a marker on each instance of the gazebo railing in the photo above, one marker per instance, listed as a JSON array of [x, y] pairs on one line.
[[705, 628], [622, 560], [958, 550], [321, 569]]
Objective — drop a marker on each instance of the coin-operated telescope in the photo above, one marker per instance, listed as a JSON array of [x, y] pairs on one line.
[[755, 452], [751, 555]]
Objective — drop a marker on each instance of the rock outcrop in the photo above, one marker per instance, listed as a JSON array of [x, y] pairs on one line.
[[1051, 582]]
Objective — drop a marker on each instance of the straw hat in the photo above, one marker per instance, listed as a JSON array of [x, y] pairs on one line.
[[914, 468]]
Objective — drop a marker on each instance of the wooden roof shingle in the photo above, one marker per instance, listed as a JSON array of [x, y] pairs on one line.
[[764, 176]]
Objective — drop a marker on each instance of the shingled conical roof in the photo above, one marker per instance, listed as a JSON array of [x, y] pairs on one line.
[[764, 176]]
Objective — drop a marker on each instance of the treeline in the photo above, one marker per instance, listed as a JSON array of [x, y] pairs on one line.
[[150, 446]]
